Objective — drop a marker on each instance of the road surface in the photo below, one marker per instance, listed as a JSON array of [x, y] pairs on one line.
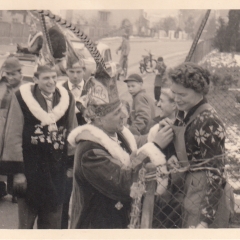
[[173, 52]]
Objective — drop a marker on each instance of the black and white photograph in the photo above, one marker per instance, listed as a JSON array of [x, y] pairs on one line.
[[114, 118]]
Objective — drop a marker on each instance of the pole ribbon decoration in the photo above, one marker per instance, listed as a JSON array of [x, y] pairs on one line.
[[81, 35]]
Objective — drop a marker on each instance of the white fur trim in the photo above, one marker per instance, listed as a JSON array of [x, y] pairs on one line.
[[30, 43], [92, 133], [152, 133], [37, 111], [155, 155], [159, 160], [130, 138]]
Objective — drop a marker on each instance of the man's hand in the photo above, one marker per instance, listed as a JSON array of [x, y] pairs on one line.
[[19, 184], [165, 122], [164, 136]]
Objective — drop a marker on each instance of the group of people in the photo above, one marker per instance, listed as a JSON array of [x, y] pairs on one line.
[[61, 139], [74, 148]]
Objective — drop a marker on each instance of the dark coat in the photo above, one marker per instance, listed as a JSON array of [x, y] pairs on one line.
[[45, 152], [160, 77], [143, 111], [11, 159], [100, 184]]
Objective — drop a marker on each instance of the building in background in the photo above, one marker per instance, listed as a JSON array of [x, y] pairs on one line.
[[16, 16], [103, 23]]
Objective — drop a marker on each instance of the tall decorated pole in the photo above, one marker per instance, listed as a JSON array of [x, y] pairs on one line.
[[197, 37], [81, 35], [47, 51]]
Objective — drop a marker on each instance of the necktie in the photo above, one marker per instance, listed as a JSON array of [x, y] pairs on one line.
[[49, 103]]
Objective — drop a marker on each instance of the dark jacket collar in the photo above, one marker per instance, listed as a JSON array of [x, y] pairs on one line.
[[41, 100]]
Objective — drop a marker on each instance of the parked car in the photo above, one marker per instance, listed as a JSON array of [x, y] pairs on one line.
[[113, 68], [28, 61]]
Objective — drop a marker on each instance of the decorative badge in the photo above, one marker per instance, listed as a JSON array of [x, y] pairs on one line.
[[42, 139], [34, 140], [56, 145], [38, 131], [49, 139], [118, 206], [53, 127]]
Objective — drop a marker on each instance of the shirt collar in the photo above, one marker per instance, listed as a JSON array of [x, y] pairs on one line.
[[70, 85], [49, 97]]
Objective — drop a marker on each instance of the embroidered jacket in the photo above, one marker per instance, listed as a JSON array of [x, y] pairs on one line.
[[45, 143], [205, 138]]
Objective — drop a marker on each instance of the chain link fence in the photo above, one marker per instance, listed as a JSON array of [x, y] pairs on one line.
[[172, 209]]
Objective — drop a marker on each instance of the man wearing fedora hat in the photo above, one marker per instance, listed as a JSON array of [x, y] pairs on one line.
[[11, 158], [48, 118], [105, 163]]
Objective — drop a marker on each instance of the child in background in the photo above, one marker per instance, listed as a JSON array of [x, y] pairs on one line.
[[143, 109], [159, 79]]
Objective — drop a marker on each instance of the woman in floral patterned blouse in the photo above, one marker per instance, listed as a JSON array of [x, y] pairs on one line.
[[199, 143]]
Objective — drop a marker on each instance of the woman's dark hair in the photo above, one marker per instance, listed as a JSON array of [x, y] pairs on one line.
[[191, 75]]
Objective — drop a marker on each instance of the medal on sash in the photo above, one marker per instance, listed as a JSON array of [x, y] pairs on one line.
[[52, 128]]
